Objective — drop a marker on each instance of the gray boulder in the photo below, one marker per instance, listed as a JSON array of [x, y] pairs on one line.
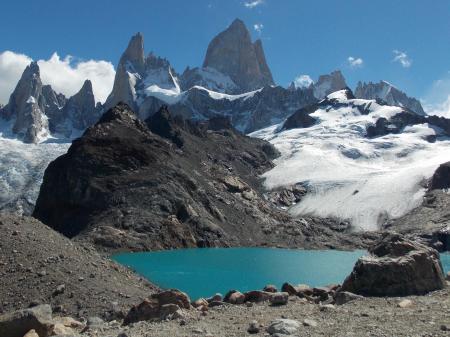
[[18, 323], [396, 266]]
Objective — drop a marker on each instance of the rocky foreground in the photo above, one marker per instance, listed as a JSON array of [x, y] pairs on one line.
[[395, 266]]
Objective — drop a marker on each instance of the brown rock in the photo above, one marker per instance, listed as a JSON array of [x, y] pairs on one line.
[[289, 288], [257, 296], [279, 298], [235, 297], [199, 303], [396, 266], [270, 288]]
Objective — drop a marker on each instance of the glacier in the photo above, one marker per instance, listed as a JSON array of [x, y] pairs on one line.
[[365, 181]]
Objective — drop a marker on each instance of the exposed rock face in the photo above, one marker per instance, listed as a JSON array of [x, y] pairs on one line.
[[209, 78], [138, 76], [37, 110], [233, 53], [396, 267], [441, 177], [122, 186], [326, 84], [301, 118], [388, 93], [26, 105], [81, 110]]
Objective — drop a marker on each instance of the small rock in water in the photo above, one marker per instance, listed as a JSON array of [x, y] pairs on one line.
[[253, 327], [405, 304], [310, 322]]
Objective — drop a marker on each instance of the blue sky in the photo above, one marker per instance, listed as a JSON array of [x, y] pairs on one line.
[[299, 36]]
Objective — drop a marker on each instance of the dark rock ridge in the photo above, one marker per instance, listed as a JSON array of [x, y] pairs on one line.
[[36, 110], [39, 265], [396, 266], [233, 54], [389, 94], [406, 117], [122, 186]]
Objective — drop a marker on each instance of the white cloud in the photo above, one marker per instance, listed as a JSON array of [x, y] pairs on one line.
[[402, 58], [258, 27], [303, 81], [11, 68], [355, 62], [64, 75], [253, 4], [437, 99]]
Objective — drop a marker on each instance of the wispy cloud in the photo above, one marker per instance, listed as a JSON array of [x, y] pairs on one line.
[[355, 62], [303, 81], [258, 27], [253, 4], [402, 58], [64, 75]]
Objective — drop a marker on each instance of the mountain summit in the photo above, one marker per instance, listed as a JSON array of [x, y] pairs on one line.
[[233, 53]]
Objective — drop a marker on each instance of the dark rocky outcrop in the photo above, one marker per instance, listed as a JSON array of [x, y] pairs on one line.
[[326, 84], [441, 177], [122, 186], [301, 118], [396, 266], [233, 54]]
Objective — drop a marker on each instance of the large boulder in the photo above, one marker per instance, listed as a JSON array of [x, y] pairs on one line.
[[441, 177], [158, 306], [396, 266], [18, 323]]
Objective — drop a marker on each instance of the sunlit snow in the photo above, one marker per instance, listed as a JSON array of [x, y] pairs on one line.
[[350, 176]]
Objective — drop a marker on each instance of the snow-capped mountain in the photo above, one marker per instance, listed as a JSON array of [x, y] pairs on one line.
[[389, 94], [351, 172], [36, 112]]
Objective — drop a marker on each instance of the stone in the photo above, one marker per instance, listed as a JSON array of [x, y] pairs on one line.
[[343, 297], [257, 296], [310, 323], [158, 306], [166, 311], [216, 298], [234, 184], [213, 304], [441, 177], [200, 302], [94, 322], [62, 330], [31, 333], [253, 327], [59, 290], [405, 304], [18, 323], [280, 298], [235, 297], [396, 266], [283, 327], [270, 288], [289, 288], [173, 296]]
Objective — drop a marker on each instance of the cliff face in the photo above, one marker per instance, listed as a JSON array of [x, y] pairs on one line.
[[233, 53]]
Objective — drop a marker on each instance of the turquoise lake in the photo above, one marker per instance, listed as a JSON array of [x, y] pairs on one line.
[[204, 272]]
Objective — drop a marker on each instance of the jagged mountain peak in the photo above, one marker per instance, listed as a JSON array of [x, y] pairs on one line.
[[329, 83], [134, 54], [388, 93], [233, 53]]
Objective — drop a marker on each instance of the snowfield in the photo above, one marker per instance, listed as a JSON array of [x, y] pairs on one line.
[[351, 177]]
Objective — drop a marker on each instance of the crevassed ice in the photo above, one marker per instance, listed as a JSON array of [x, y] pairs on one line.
[[352, 177]]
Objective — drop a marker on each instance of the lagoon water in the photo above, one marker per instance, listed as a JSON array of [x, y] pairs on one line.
[[204, 272]]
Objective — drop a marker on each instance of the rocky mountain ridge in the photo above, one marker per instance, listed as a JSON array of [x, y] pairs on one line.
[[36, 110], [170, 183]]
